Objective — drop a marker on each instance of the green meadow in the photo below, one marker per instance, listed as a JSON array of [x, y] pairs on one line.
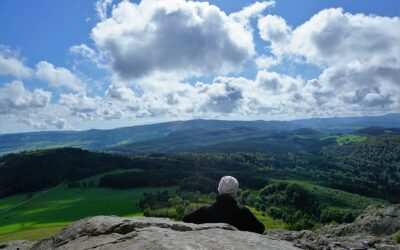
[[37, 216], [348, 139], [32, 217]]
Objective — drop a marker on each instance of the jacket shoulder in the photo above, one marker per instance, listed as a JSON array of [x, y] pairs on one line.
[[251, 222], [198, 216]]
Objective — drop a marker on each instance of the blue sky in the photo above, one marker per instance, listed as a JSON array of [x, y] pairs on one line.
[[65, 66]]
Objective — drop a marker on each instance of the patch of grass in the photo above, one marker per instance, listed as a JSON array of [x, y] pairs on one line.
[[166, 212], [49, 211], [348, 139], [268, 221], [9, 202], [34, 233], [396, 237]]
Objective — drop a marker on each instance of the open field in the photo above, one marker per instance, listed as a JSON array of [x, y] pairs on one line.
[[347, 139], [25, 217], [45, 213]]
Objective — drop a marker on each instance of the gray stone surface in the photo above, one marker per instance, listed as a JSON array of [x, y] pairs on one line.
[[372, 230], [110, 232], [376, 220], [17, 245]]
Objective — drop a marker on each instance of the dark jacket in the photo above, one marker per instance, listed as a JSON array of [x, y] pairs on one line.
[[226, 210]]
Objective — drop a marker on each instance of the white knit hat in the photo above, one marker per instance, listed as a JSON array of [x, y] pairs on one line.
[[228, 185]]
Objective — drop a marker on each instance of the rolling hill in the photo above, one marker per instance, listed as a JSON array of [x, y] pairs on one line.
[[214, 131]]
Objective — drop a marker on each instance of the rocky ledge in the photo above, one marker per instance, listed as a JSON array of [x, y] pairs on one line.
[[372, 230], [111, 232]]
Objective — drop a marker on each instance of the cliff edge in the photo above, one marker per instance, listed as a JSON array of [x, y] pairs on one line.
[[111, 232], [372, 230]]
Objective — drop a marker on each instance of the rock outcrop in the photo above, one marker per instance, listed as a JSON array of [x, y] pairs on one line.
[[17, 245], [371, 230], [110, 232]]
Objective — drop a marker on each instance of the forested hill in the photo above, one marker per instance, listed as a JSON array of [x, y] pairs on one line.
[[115, 138], [33, 171], [357, 163]]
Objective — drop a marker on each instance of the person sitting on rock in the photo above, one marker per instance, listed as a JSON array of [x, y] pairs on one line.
[[226, 209]]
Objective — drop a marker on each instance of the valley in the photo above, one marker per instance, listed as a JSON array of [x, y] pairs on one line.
[[301, 178]]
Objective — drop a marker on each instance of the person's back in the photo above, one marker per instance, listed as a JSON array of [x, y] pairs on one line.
[[226, 210]]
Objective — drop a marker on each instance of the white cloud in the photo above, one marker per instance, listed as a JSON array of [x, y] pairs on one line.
[[185, 37], [11, 65], [86, 52], [121, 93], [277, 83], [359, 56], [58, 76], [152, 46], [266, 62], [58, 123], [332, 36], [49, 123], [81, 105], [363, 84], [275, 30], [224, 96], [220, 97], [15, 98], [243, 16], [102, 7]]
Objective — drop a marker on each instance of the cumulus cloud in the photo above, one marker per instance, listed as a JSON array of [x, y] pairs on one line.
[[243, 16], [83, 51], [15, 98], [277, 83], [154, 46], [58, 76], [186, 37], [12, 65], [49, 123], [333, 36], [363, 84], [268, 94], [275, 30], [266, 62], [81, 106], [120, 93], [102, 7], [359, 56], [220, 97], [58, 123]]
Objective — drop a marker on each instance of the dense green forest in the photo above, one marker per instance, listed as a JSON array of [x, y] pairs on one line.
[[34, 171]]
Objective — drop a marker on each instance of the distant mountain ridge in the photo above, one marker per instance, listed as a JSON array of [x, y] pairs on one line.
[[113, 138]]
